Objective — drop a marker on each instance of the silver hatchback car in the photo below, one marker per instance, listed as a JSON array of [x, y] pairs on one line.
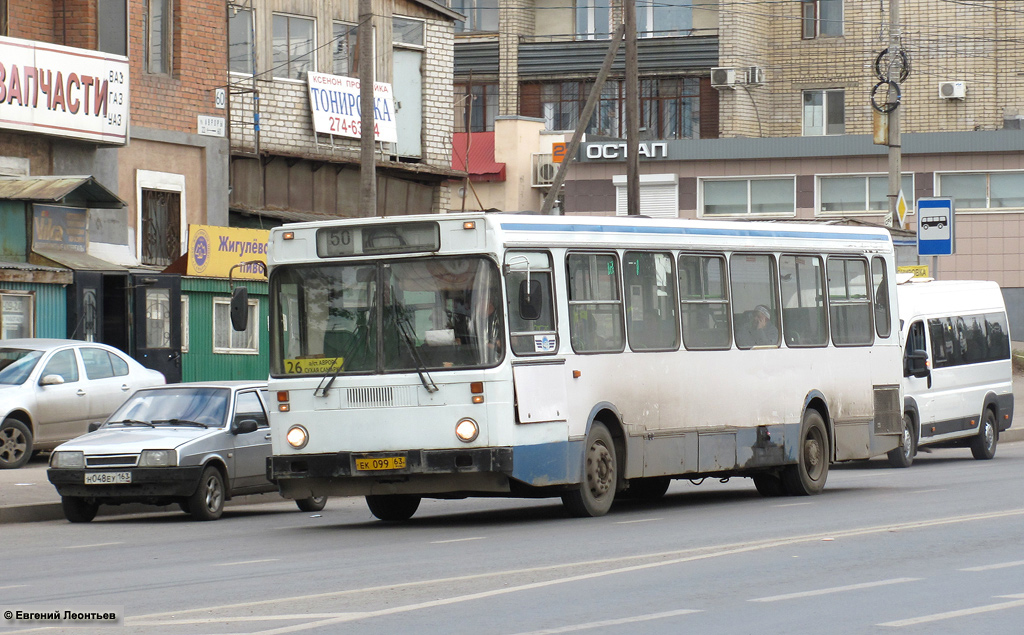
[[52, 389], [194, 444]]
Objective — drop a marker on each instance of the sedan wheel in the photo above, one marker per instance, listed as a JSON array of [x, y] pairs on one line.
[[208, 501], [15, 444]]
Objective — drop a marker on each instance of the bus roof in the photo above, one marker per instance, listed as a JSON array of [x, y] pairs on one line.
[[947, 297]]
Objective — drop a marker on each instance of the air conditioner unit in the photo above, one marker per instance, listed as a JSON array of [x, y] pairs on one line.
[[544, 170], [952, 90], [755, 75], [724, 77]]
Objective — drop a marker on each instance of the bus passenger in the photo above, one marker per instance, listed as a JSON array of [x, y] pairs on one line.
[[763, 333]]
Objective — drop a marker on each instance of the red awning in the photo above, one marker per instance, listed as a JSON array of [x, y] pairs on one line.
[[482, 166]]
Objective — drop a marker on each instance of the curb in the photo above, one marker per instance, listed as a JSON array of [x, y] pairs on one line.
[[39, 512]]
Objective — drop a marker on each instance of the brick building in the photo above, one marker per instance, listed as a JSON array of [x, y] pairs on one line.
[[281, 164]]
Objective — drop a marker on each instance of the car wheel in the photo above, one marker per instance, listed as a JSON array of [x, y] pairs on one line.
[[903, 456], [393, 507], [78, 509], [15, 444], [983, 446], [208, 501], [312, 504]]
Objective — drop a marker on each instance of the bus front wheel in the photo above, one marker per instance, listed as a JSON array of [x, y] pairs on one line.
[[393, 507], [811, 469], [983, 446], [903, 456], [600, 476]]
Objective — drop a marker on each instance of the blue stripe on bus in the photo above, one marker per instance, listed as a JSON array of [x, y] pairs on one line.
[[548, 463], [691, 231]]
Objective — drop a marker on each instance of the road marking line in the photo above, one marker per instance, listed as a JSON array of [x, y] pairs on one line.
[[792, 504], [242, 618], [641, 520], [445, 542], [13, 586], [616, 622], [988, 608], [990, 567], [696, 553], [231, 564], [835, 589], [928, 491], [99, 544]]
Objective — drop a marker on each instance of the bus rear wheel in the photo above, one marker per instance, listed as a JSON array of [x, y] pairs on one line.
[[983, 446], [811, 470], [600, 476], [393, 507]]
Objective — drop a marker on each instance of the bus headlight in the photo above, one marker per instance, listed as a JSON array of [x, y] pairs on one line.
[[467, 430], [297, 437]]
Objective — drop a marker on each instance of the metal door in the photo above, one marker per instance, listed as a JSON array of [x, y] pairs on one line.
[[85, 307], [157, 311], [408, 88]]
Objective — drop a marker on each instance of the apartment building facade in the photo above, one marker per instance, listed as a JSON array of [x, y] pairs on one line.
[[293, 148], [779, 124]]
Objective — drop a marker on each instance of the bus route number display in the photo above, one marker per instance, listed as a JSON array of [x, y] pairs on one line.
[[317, 366], [349, 240]]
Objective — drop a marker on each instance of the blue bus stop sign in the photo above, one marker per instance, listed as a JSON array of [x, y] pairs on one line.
[[935, 233]]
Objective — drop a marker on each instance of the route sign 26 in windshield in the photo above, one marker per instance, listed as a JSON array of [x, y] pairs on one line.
[[935, 233]]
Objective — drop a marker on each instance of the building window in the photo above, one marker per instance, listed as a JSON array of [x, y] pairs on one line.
[[158, 27], [476, 106], [983, 190], [593, 19], [161, 223], [408, 32], [345, 50], [293, 46], [659, 195], [663, 18], [112, 32], [741, 197], [240, 40], [17, 315], [481, 15], [860, 194], [821, 18], [229, 341], [670, 107], [824, 112]]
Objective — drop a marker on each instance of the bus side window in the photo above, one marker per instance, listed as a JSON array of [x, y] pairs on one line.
[[531, 303], [704, 303], [883, 319], [753, 281], [804, 319], [650, 301], [595, 304], [849, 302], [915, 357]]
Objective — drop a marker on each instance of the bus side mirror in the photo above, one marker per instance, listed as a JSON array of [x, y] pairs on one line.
[[531, 301], [917, 364], [239, 308]]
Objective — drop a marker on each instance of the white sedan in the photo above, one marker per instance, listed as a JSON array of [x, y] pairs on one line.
[[52, 389]]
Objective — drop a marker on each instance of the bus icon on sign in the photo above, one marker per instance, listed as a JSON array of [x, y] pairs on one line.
[[933, 221]]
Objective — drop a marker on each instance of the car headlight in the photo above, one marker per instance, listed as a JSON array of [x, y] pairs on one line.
[[158, 458], [297, 437], [68, 460], [467, 430]]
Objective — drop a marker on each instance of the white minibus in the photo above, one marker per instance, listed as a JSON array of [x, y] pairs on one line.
[[958, 379]]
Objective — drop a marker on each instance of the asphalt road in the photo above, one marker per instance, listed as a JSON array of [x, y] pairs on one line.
[[938, 547]]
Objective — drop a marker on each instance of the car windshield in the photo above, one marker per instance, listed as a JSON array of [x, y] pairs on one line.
[[16, 364], [438, 313], [171, 406]]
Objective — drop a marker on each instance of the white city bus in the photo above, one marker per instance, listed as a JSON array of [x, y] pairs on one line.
[[506, 355]]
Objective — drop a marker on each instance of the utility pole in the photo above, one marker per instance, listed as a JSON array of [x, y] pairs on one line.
[[367, 155], [632, 111], [588, 111], [895, 154]]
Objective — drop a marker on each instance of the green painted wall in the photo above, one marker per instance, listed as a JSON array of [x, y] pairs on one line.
[[13, 231], [200, 363], [51, 307]]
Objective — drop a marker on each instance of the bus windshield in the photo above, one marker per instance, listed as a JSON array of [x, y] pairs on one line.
[[386, 316]]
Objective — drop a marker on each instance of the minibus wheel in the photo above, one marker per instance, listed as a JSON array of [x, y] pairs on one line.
[[600, 476], [983, 446], [393, 507], [903, 456], [811, 469]]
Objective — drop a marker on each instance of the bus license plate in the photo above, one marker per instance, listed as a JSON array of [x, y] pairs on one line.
[[381, 463], [108, 478]]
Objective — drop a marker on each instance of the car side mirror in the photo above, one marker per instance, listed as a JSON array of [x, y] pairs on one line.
[[51, 380], [531, 300], [239, 308], [95, 425], [245, 426], [917, 364]]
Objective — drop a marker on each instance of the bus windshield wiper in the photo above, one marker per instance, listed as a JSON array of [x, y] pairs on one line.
[[321, 389], [402, 321], [181, 422], [133, 422]]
